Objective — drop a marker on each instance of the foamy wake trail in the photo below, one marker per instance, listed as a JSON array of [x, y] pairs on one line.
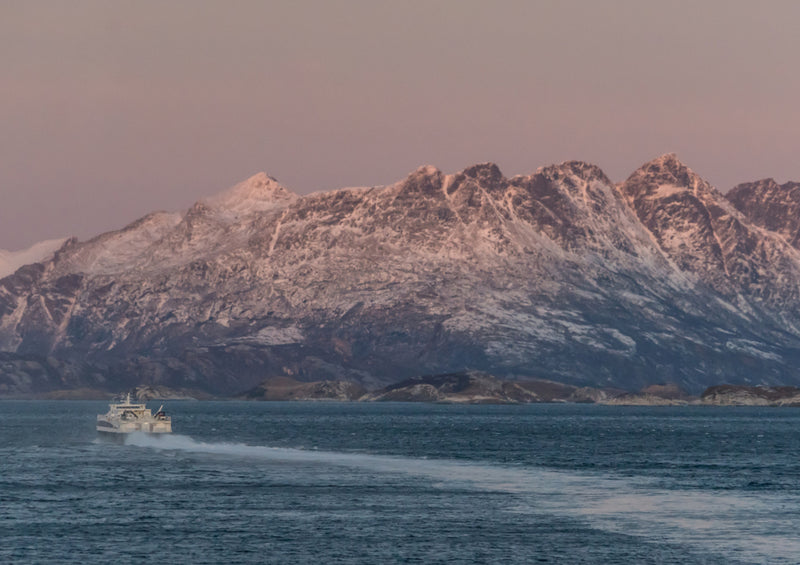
[[744, 527]]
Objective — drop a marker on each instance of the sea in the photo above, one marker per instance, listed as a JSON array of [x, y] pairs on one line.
[[373, 483]]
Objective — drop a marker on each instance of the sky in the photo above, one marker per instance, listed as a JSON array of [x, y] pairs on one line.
[[111, 110]]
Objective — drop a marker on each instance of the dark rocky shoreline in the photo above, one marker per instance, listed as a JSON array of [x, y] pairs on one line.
[[483, 388], [469, 387]]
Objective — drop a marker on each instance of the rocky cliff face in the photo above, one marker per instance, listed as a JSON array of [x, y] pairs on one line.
[[709, 240], [771, 205], [559, 274]]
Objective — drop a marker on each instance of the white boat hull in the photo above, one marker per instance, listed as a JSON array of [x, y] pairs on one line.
[[128, 418], [134, 427]]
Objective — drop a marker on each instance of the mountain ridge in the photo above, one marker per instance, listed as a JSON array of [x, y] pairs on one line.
[[559, 274]]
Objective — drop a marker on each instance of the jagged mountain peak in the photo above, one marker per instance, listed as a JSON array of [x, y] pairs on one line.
[[487, 176], [580, 169], [261, 183], [425, 171], [256, 194], [426, 174], [662, 176], [668, 159], [425, 180], [762, 184], [705, 235], [489, 171], [765, 189]]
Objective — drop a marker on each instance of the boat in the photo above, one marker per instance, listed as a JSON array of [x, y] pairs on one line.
[[127, 417]]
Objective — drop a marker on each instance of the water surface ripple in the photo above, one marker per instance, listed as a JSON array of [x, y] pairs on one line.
[[380, 483]]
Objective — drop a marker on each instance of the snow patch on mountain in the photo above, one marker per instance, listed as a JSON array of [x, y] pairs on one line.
[[117, 251], [275, 336], [752, 348], [667, 190]]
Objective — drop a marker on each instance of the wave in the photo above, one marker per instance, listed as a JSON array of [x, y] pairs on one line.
[[753, 527]]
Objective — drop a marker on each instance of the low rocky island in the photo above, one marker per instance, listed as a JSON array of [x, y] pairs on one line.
[[455, 388], [286, 388], [466, 387], [736, 395], [653, 395], [475, 387], [141, 393]]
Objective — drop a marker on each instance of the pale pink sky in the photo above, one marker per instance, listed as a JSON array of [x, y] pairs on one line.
[[109, 110]]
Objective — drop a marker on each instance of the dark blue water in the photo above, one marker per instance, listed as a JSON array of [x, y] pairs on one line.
[[402, 483]]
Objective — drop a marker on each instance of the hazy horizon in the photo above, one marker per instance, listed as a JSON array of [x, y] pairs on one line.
[[113, 110]]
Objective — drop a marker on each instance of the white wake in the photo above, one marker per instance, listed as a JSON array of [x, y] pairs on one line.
[[757, 527]]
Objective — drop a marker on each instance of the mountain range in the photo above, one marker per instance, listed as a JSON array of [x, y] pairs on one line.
[[560, 274]]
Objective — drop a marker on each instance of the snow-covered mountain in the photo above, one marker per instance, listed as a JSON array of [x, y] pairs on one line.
[[559, 274]]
